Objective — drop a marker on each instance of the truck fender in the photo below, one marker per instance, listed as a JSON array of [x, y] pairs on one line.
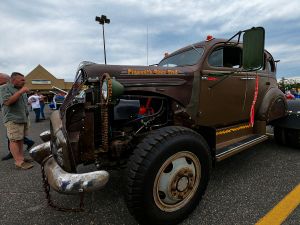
[[292, 120], [273, 106]]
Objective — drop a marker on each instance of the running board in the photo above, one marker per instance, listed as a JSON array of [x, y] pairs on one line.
[[239, 146]]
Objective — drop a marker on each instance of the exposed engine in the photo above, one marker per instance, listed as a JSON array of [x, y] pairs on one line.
[[130, 117]]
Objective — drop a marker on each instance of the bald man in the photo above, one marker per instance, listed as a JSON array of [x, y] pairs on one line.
[[4, 78]]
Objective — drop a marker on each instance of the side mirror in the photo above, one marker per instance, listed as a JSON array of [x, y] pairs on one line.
[[253, 48]]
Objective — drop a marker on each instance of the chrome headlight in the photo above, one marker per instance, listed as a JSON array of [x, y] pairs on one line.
[[104, 89], [110, 89]]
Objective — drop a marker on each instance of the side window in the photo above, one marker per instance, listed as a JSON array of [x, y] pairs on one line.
[[226, 56], [216, 58]]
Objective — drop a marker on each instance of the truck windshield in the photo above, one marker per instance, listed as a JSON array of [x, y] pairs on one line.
[[187, 58]]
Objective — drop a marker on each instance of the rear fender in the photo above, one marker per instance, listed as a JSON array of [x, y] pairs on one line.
[[273, 106], [292, 120]]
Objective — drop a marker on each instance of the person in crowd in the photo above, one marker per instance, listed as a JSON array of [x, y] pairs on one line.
[[59, 99], [13, 100], [26, 141], [4, 78], [34, 101], [289, 95], [42, 105]]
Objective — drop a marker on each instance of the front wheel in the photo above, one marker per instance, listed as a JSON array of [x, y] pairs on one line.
[[167, 175]]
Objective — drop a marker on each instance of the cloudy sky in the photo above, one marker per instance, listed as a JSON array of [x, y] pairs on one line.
[[59, 34]]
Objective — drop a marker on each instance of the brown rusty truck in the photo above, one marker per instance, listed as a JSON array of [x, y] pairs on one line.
[[168, 123]]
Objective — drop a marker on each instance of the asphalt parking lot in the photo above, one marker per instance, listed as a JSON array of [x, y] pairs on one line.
[[242, 190]]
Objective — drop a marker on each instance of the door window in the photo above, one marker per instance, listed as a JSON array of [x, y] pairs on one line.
[[226, 56]]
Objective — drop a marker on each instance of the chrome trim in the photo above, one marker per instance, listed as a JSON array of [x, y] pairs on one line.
[[247, 78], [69, 183], [240, 148], [40, 152], [45, 136], [62, 181]]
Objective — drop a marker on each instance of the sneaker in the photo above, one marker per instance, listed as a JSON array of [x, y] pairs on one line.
[[30, 145], [24, 166], [7, 157]]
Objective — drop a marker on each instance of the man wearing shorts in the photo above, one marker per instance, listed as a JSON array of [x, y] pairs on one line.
[[13, 100]]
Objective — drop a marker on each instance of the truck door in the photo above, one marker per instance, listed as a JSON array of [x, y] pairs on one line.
[[223, 95]]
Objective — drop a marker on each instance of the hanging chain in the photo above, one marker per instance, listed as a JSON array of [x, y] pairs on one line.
[[104, 112], [49, 200]]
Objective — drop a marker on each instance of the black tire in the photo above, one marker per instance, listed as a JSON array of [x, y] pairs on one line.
[[279, 135], [287, 136], [293, 137], [167, 175]]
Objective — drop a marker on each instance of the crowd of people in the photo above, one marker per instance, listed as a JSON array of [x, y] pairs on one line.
[[292, 94], [37, 102], [57, 100], [15, 115], [14, 104]]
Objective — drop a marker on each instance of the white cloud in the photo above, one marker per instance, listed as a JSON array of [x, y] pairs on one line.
[[60, 34]]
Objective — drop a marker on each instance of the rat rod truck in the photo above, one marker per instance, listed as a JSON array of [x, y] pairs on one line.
[[168, 123]]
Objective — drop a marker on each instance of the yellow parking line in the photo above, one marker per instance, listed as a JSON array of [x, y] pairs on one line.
[[283, 209]]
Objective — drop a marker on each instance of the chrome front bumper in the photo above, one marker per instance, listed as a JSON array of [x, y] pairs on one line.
[[62, 181]]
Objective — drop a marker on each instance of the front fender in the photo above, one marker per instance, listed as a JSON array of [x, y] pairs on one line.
[[273, 106]]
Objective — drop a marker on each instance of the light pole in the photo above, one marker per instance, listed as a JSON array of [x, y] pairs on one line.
[[102, 20]]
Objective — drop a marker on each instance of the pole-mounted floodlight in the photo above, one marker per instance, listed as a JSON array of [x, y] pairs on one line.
[[102, 20]]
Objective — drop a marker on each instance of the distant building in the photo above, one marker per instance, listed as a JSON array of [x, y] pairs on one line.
[[40, 79]]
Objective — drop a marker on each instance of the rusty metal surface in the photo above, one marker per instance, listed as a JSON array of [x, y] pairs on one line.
[[87, 138], [68, 183], [273, 105], [165, 84], [232, 97]]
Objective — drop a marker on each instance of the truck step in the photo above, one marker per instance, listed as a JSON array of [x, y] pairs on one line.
[[225, 150]]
